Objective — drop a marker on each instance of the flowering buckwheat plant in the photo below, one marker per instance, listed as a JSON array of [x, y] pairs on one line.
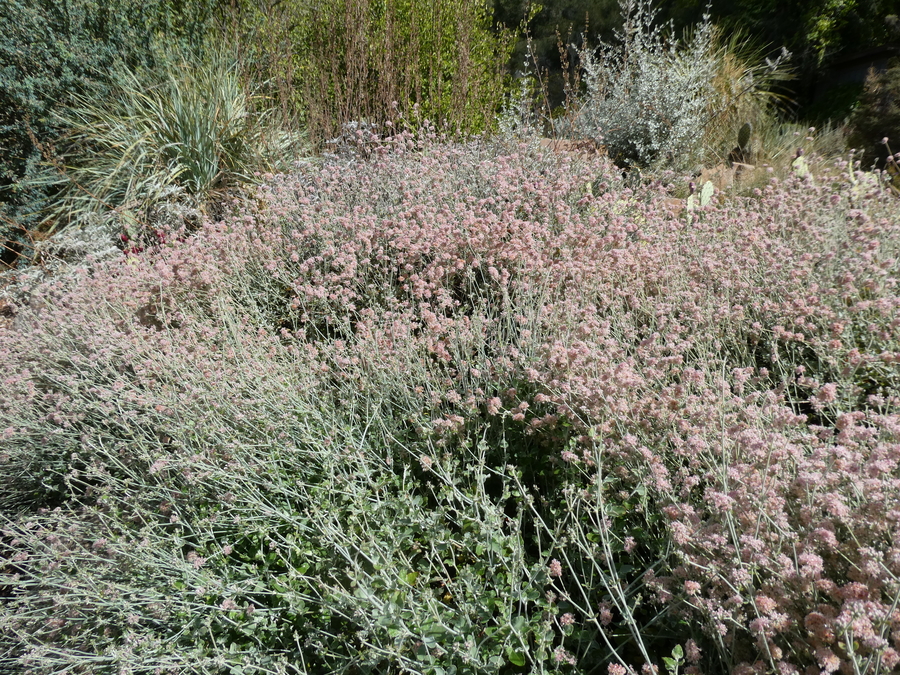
[[464, 408]]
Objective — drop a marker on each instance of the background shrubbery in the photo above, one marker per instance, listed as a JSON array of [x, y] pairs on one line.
[[79, 79], [307, 71], [185, 134], [655, 101], [878, 114], [383, 61]]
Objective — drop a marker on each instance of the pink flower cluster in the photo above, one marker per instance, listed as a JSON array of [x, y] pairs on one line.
[[743, 369]]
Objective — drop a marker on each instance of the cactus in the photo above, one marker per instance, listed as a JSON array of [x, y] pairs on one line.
[[706, 193], [744, 137], [799, 165], [741, 153]]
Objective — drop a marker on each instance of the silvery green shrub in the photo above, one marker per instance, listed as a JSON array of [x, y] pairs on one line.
[[649, 95]]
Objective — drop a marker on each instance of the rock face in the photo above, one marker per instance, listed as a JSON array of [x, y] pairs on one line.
[[721, 176], [675, 205]]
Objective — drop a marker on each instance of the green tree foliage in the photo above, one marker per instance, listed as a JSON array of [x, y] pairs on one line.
[[813, 29], [878, 114]]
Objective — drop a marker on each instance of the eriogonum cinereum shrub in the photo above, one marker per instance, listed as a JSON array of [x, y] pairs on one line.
[[463, 408]]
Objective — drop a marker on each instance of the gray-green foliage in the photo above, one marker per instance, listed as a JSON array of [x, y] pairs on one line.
[[182, 132], [51, 50], [648, 96], [315, 558], [310, 532]]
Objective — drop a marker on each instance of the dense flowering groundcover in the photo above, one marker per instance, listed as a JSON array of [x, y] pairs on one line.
[[465, 408]]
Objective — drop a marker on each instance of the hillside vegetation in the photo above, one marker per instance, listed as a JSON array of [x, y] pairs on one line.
[[413, 394]]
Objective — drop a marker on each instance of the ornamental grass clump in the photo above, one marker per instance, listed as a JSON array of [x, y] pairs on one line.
[[185, 133], [465, 408]]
